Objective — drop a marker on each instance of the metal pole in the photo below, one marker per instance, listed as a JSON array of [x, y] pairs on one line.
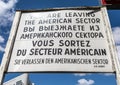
[[6, 56]]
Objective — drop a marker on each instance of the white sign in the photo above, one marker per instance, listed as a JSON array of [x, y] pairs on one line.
[[20, 80], [63, 40]]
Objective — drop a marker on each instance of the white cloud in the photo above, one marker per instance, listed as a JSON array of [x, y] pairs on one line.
[[109, 74], [116, 34], [81, 74], [86, 74], [7, 12], [2, 39], [85, 82], [2, 49]]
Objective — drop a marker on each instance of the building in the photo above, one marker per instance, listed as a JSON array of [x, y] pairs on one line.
[[20, 80]]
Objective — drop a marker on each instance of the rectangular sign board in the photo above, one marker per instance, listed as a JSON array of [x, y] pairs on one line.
[[66, 40]]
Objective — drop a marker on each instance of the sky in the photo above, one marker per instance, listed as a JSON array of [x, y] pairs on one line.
[[7, 11]]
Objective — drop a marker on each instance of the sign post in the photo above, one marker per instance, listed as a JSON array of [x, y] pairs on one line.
[[9, 46], [114, 51]]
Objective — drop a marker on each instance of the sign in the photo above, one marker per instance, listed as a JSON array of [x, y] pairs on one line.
[[66, 40], [20, 80], [113, 2]]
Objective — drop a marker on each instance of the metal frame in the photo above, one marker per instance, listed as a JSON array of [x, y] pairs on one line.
[[6, 56], [116, 62]]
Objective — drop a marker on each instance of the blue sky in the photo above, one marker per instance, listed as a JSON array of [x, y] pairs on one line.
[[7, 11]]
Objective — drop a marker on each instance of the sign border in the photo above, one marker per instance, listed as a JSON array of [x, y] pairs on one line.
[[58, 9]]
